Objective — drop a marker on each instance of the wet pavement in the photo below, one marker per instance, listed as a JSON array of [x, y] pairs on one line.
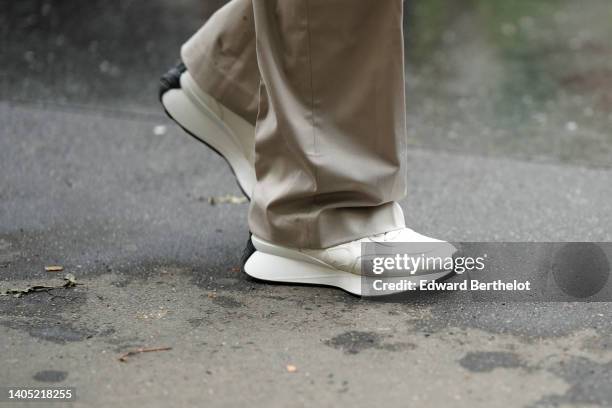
[[509, 111]]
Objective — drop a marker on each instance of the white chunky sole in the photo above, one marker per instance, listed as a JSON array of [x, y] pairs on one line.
[[278, 264], [214, 125]]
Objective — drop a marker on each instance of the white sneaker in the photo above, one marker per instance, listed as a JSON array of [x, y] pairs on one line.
[[204, 118], [339, 266]]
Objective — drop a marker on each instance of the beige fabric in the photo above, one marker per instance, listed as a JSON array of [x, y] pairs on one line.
[[221, 58], [328, 80]]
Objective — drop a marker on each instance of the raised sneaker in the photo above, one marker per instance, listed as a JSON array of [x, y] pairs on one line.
[[208, 121]]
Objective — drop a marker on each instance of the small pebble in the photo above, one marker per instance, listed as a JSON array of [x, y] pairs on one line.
[[159, 130]]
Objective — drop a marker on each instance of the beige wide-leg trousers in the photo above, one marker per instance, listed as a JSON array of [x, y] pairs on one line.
[[323, 81]]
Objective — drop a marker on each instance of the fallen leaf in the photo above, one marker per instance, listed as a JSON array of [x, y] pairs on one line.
[[226, 199], [291, 368], [124, 357], [69, 282], [54, 268], [159, 314], [16, 292]]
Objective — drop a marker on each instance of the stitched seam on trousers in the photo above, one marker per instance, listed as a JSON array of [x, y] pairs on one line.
[[312, 115]]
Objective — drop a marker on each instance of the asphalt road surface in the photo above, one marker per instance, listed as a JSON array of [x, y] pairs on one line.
[[94, 178]]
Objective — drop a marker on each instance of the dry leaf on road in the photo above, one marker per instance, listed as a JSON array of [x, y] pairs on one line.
[[124, 357], [226, 199]]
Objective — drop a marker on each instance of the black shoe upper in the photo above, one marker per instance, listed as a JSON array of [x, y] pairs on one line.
[[171, 79], [248, 251]]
